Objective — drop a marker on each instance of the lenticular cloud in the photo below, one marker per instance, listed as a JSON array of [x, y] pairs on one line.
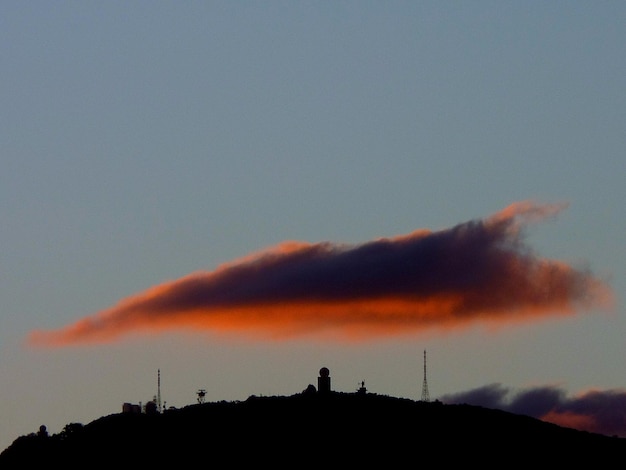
[[477, 271]]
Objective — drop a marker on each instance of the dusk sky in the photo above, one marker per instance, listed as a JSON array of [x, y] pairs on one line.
[[239, 193]]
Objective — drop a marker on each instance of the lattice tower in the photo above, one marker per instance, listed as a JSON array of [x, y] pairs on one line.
[[425, 394]]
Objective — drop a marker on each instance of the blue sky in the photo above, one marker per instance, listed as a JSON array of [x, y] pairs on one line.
[[142, 141]]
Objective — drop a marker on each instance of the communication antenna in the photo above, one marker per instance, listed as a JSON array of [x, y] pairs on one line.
[[159, 390], [425, 394]]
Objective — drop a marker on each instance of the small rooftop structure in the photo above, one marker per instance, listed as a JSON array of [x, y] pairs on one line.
[[131, 408], [151, 407]]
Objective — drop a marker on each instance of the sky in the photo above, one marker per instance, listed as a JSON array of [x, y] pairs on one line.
[[240, 193]]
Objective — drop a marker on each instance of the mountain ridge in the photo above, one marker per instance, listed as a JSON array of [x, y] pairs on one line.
[[332, 427]]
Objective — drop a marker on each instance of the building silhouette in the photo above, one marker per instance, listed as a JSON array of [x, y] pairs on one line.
[[323, 381]]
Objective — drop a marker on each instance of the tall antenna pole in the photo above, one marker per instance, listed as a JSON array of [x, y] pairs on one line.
[[159, 390], [425, 394]]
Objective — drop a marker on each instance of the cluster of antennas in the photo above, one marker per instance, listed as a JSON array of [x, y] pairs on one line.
[[323, 386]]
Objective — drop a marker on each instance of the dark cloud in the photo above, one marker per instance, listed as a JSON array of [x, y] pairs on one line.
[[477, 271], [597, 411]]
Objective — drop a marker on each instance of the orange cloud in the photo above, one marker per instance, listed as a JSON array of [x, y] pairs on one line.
[[477, 271], [569, 419]]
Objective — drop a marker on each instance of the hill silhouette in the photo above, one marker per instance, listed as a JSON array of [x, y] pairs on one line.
[[323, 429]]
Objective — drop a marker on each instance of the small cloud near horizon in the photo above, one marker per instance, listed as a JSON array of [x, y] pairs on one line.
[[597, 411], [477, 272]]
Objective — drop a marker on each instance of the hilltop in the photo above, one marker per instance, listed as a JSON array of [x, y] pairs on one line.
[[324, 429]]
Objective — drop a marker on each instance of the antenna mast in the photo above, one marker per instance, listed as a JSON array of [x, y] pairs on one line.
[[425, 394], [159, 390]]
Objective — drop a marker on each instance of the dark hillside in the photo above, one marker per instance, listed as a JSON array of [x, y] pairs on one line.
[[315, 429]]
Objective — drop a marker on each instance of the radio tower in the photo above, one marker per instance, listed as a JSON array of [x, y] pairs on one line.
[[425, 394], [159, 390]]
